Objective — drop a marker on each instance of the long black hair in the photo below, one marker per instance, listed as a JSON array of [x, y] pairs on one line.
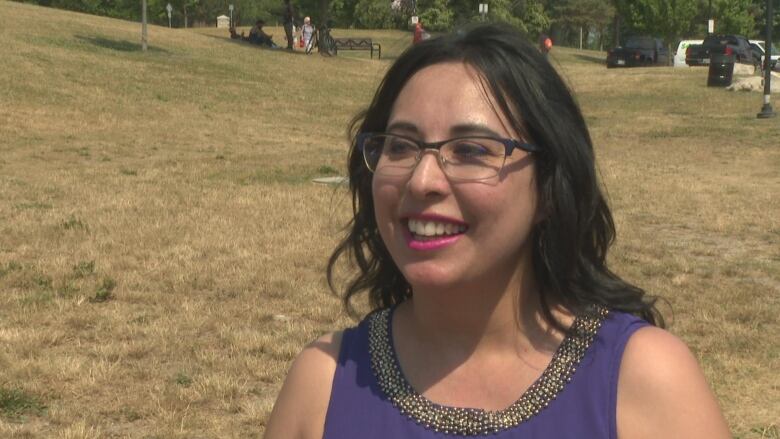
[[572, 239]]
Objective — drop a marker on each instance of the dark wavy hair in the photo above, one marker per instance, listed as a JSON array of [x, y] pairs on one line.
[[570, 242]]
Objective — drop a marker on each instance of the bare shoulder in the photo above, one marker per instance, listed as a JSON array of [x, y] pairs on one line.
[[299, 412], [662, 391]]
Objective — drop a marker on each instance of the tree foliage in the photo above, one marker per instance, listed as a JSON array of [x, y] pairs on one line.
[[435, 14], [584, 13], [375, 14], [674, 19], [736, 16], [669, 19], [534, 18]]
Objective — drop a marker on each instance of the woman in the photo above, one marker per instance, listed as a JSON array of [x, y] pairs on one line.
[[307, 31], [481, 234]]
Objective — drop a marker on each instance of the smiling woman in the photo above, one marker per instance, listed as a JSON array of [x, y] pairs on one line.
[[481, 235]]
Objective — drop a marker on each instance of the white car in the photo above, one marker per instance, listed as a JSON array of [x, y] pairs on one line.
[[679, 55], [759, 47]]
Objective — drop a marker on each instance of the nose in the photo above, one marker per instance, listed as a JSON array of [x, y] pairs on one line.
[[428, 178]]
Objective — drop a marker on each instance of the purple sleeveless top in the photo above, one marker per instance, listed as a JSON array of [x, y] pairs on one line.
[[575, 397]]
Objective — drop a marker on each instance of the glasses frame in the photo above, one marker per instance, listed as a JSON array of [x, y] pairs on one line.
[[509, 146]]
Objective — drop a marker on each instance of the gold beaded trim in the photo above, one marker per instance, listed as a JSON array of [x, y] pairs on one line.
[[468, 421]]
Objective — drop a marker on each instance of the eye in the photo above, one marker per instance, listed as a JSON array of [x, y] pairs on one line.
[[469, 149], [399, 146]]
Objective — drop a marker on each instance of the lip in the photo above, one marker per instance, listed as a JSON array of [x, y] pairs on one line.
[[430, 244]]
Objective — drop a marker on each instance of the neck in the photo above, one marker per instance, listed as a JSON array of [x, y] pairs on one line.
[[483, 314]]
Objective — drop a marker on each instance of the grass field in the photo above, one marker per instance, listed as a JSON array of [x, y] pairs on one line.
[[162, 248]]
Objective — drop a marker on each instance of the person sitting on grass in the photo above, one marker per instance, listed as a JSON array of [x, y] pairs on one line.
[[259, 37], [480, 234]]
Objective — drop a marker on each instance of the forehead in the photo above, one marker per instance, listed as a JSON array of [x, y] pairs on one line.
[[448, 94]]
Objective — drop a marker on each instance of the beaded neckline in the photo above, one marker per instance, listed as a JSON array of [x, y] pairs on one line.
[[470, 421]]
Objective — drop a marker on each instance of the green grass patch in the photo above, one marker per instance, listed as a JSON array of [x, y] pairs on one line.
[[182, 379], [9, 267], [83, 269], [73, 223], [42, 281], [104, 291], [15, 403]]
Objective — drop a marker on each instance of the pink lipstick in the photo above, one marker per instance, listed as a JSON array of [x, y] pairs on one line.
[[431, 232]]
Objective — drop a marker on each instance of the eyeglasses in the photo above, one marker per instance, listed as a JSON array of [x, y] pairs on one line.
[[462, 158]]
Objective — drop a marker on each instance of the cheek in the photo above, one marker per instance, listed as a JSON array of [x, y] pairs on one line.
[[511, 208], [386, 197]]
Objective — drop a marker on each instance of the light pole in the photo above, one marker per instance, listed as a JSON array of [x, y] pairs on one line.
[[766, 109], [169, 8], [230, 6]]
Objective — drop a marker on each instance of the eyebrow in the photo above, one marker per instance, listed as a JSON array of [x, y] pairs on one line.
[[473, 129], [402, 126], [464, 129]]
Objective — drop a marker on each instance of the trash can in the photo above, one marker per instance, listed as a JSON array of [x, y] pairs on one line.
[[721, 70]]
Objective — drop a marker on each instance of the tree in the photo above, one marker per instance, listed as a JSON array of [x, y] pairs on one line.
[[735, 17], [670, 19], [583, 15], [435, 14], [675, 21], [532, 15], [649, 16], [502, 11], [375, 14], [342, 12]]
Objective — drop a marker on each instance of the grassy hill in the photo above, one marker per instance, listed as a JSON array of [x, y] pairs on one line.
[[162, 247]]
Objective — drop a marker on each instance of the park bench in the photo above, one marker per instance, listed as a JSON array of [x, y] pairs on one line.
[[359, 44]]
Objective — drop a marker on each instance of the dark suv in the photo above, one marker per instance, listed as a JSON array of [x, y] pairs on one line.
[[638, 51]]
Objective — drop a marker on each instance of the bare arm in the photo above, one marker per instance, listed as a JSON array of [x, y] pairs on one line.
[[299, 412], [662, 392]]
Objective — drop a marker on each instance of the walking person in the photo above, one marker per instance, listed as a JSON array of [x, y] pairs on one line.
[[418, 32], [480, 235], [307, 31], [545, 45]]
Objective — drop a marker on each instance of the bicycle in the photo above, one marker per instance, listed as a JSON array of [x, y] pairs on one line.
[[325, 43]]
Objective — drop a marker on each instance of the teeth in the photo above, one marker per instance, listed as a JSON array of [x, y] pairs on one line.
[[434, 228]]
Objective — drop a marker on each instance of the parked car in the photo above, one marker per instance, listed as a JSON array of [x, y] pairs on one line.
[[739, 46], [638, 51], [759, 52], [679, 55]]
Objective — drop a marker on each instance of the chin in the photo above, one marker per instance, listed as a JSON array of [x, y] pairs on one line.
[[428, 276]]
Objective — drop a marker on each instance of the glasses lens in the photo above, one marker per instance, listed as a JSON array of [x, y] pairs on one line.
[[390, 155], [473, 158]]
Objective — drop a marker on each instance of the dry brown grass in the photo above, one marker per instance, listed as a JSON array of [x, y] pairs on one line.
[[162, 248]]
